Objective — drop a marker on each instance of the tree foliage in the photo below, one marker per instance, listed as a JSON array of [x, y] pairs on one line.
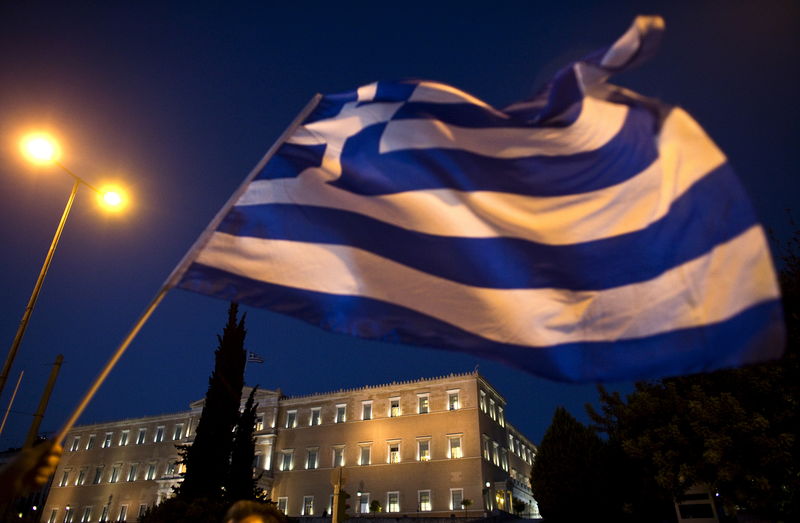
[[241, 484]]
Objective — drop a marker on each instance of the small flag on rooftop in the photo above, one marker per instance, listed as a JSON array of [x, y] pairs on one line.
[[586, 234], [252, 357]]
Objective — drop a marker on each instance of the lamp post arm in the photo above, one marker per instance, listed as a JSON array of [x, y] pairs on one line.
[[23, 324]]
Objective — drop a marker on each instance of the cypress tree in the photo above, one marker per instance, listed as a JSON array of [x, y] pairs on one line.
[[207, 459], [241, 484]]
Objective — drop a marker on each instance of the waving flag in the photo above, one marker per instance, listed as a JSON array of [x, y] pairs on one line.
[[587, 234]]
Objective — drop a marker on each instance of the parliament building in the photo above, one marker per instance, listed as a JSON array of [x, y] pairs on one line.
[[415, 448]]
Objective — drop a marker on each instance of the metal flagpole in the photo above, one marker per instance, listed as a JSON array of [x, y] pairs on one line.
[[180, 269]]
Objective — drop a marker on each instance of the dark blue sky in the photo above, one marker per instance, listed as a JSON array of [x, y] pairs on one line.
[[181, 100]]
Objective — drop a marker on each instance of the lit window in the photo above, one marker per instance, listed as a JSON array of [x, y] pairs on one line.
[[492, 412], [423, 404], [394, 407], [142, 510], [132, 472], [151, 471], [107, 440], [75, 443], [456, 498], [64, 479], [70, 513], [282, 504], [123, 513], [504, 459], [90, 442], [104, 514], [286, 459], [123, 438], [365, 455], [487, 455], [98, 475], [511, 441], [452, 400], [363, 503], [141, 436], [308, 506], [259, 425], [393, 502], [115, 473], [171, 467], [424, 500], [159, 437], [311, 459], [455, 447], [341, 413], [178, 433], [366, 410], [330, 504], [424, 450], [483, 401], [291, 419], [496, 453], [81, 479], [87, 514], [394, 452], [316, 418], [500, 417], [338, 456], [53, 514]]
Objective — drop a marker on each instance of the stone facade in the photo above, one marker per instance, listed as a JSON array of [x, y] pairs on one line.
[[416, 448]]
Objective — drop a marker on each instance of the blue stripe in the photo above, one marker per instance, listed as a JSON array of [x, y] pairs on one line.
[[755, 334], [367, 172], [710, 213], [291, 159], [330, 106]]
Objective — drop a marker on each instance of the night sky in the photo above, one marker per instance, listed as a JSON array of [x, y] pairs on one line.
[[179, 102]]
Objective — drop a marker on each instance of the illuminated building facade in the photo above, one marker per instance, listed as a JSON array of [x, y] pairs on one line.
[[416, 448]]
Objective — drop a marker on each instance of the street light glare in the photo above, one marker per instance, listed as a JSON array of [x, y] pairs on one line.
[[112, 198], [40, 148]]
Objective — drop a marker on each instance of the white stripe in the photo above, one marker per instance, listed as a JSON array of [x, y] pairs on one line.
[[709, 289], [626, 46], [598, 123], [686, 154], [434, 92]]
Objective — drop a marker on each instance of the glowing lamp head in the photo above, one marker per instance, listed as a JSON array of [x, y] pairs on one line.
[[40, 148], [112, 198]]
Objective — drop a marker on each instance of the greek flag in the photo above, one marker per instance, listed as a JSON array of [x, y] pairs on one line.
[[586, 234]]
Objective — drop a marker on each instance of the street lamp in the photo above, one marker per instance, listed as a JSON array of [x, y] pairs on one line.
[[43, 149]]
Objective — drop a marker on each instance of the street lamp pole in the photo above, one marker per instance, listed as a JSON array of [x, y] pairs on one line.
[[23, 324]]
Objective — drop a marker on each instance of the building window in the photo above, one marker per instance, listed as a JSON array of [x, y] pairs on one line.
[[393, 452], [504, 459], [53, 515], [159, 437], [338, 457], [259, 425], [452, 400], [424, 449], [365, 455], [178, 433], [500, 416], [394, 407], [87, 514], [492, 411], [423, 404], [316, 417], [482, 401], [424, 500], [308, 506], [393, 501], [287, 459], [330, 504], [282, 504], [90, 442], [107, 440], [132, 472], [123, 438], [496, 453], [64, 479], [366, 410], [291, 419], [363, 503], [341, 413], [142, 510], [104, 514], [98, 476], [81, 479], [75, 443], [141, 436], [70, 513], [172, 467], [456, 498], [511, 441], [487, 454], [312, 458], [454, 449], [151, 471], [123, 513], [115, 470]]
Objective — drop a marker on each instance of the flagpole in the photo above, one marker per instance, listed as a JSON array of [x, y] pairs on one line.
[[180, 269]]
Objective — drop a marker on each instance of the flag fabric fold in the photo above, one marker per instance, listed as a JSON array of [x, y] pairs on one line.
[[587, 234]]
